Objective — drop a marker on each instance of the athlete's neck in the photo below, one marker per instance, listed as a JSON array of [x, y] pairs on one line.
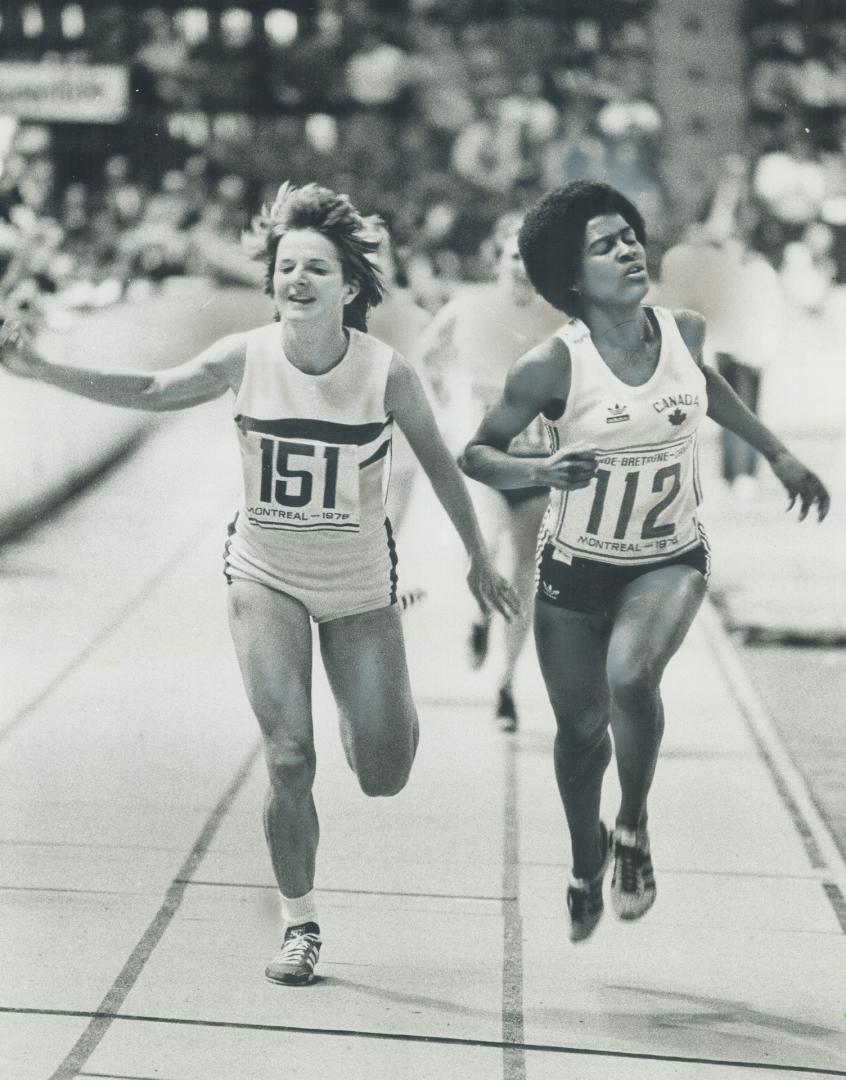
[[619, 327], [314, 348]]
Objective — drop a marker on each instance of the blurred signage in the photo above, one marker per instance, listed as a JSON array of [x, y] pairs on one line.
[[77, 93]]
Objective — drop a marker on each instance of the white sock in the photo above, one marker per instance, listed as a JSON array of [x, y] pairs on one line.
[[626, 836], [299, 909]]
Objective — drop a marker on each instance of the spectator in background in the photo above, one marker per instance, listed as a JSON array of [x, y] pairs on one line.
[[629, 169], [716, 271], [37, 187], [790, 182], [26, 145], [808, 268], [631, 130], [162, 60], [574, 151], [536, 119], [441, 85], [377, 74], [833, 211], [487, 151], [122, 199]]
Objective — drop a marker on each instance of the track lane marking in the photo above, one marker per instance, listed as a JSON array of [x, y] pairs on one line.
[[102, 1018], [439, 1040]]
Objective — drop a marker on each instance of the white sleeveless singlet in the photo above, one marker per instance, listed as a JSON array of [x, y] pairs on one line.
[[641, 505], [315, 455]]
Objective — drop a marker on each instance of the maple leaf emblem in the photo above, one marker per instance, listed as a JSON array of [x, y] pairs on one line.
[[677, 417]]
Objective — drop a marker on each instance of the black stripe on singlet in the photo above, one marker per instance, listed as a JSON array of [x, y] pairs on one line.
[[230, 532], [317, 430], [392, 553], [376, 455]]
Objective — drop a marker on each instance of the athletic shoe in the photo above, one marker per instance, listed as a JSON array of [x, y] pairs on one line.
[[506, 710], [633, 882], [584, 896], [294, 964], [479, 635]]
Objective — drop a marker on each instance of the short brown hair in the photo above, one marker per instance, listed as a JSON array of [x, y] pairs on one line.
[[335, 217]]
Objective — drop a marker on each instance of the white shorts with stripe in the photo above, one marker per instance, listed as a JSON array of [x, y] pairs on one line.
[[342, 574]]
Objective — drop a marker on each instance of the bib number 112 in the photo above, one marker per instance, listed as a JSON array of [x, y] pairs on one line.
[[651, 530]]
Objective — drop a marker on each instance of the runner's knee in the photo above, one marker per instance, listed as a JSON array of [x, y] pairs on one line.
[[378, 784], [634, 685], [291, 765], [384, 770], [580, 731]]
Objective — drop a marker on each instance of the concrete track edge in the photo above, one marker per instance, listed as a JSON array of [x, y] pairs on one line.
[[811, 825]]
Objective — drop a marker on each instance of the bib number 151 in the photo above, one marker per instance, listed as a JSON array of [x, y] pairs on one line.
[[294, 487], [650, 530]]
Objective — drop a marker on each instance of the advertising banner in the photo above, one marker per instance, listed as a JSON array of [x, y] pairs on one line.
[[74, 93]]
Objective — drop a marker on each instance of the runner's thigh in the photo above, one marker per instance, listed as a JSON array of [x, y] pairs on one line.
[[653, 615], [571, 649], [364, 657], [272, 636]]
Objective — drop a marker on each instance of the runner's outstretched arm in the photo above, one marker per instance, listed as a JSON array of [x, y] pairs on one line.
[[207, 376]]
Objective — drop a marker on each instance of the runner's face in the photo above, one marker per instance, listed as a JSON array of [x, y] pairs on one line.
[[613, 263], [308, 278]]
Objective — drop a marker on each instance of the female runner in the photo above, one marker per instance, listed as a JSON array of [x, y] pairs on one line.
[[623, 562], [315, 398]]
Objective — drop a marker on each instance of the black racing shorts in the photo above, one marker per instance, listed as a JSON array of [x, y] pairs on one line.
[[594, 587]]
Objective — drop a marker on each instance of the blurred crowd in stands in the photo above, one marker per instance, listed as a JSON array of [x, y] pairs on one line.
[[435, 118], [88, 247], [438, 121], [797, 106]]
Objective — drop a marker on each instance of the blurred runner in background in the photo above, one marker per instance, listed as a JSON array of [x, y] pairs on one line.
[[399, 321], [470, 346]]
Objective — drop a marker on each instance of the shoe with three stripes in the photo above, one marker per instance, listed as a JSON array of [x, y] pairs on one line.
[[294, 964], [633, 881], [584, 896]]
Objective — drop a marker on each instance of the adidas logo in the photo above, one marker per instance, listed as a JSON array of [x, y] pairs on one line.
[[408, 599], [548, 590], [617, 414]]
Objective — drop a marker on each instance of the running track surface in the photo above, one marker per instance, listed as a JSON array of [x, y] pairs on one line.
[[138, 906]]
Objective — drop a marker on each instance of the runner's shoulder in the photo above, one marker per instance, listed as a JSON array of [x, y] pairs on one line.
[[226, 358], [692, 326], [541, 374]]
